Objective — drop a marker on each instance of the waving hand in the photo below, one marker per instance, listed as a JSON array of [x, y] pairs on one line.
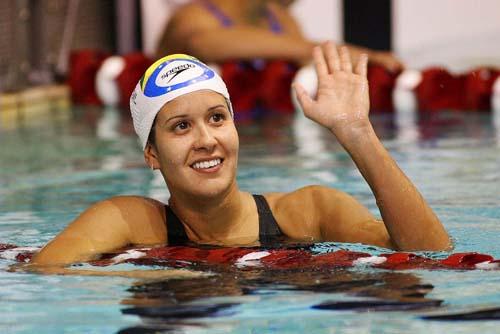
[[342, 101]]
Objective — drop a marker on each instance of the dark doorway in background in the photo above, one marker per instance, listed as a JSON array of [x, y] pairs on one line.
[[368, 23]]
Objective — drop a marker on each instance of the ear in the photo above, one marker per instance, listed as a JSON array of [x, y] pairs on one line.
[[151, 156]]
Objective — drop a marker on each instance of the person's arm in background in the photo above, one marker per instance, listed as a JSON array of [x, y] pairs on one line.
[[383, 58], [292, 27], [194, 31], [248, 43]]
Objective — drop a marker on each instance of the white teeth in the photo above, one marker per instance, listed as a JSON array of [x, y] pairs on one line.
[[206, 164]]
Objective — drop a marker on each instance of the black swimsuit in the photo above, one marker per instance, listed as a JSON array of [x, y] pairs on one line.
[[268, 227]]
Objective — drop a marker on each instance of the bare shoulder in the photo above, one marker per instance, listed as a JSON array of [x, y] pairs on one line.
[[125, 205], [134, 201], [138, 219], [187, 21], [191, 17], [323, 213], [106, 226], [300, 212], [143, 217], [310, 199], [308, 194]]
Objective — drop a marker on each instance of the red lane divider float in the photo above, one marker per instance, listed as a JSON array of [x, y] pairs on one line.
[[274, 258], [83, 67], [437, 88]]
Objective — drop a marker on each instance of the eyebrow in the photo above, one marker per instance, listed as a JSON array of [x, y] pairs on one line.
[[174, 117], [185, 115], [217, 107]]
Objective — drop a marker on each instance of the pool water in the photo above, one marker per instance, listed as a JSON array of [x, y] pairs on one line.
[[56, 163]]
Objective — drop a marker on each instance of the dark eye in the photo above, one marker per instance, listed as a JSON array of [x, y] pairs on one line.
[[216, 118], [181, 126]]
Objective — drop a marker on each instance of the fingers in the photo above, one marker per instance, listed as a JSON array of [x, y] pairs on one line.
[[319, 62], [345, 59], [303, 97], [362, 65], [332, 57], [328, 59]]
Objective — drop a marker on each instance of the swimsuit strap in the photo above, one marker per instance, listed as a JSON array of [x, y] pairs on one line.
[[268, 227], [274, 23], [175, 230], [219, 14], [226, 21]]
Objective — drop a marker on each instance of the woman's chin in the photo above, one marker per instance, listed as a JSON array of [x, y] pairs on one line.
[[209, 189], [214, 189]]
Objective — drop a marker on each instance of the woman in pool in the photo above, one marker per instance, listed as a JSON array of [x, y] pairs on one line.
[[183, 116]]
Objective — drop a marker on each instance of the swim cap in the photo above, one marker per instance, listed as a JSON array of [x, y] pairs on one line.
[[168, 78]]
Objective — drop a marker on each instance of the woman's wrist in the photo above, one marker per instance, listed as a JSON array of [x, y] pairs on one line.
[[354, 135]]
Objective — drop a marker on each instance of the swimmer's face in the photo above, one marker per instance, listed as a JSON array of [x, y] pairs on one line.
[[196, 145]]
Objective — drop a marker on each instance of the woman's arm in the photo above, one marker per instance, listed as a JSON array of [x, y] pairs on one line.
[[342, 106], [104, 227], [152, 274]]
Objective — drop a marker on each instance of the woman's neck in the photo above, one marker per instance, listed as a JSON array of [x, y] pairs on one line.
[[216, 219]]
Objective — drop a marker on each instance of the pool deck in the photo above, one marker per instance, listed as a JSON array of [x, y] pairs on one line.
[[32, 102]]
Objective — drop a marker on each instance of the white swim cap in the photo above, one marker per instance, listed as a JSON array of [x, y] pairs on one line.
[[168, 78]]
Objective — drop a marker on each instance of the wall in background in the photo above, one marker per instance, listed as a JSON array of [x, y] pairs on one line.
[[38, 37], [155, 15], [320, 19], [456, 33]]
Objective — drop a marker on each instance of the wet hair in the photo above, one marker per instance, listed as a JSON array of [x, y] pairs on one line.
[[152, 135]]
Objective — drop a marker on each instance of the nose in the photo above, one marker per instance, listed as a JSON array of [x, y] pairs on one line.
[[205, 139]]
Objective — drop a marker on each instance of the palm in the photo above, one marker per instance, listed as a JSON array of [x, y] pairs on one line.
[[342, 97]]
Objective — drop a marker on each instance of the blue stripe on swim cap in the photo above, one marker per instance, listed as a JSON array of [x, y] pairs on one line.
[[153, 90]]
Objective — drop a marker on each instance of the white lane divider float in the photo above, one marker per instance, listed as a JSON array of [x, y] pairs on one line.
[[251, 259]]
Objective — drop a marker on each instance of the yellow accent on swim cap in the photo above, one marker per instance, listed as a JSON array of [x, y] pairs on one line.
[[160, 61]]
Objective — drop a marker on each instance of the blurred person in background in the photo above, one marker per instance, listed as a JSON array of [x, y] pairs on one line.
[[256, 43]]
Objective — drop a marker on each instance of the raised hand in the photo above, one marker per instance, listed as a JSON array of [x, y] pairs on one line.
[[342, 101]]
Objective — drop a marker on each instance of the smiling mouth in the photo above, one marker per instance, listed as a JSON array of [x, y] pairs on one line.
[[201, 165]]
